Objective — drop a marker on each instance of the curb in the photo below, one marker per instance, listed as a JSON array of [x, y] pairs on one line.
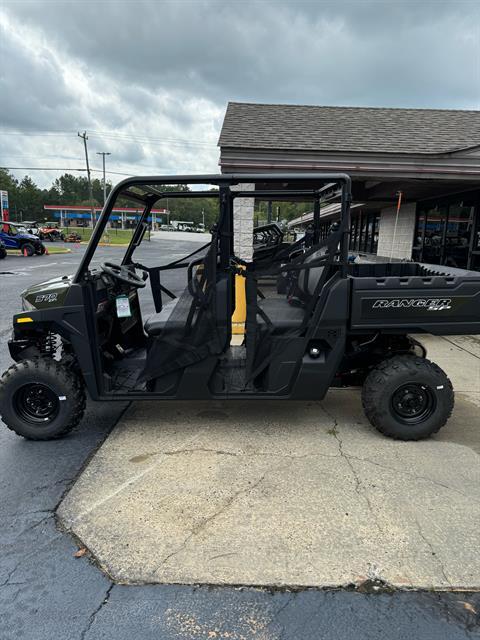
[[17, 252]]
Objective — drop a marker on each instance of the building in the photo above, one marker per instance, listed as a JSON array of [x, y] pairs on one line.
[[422, 164], [122, 217]]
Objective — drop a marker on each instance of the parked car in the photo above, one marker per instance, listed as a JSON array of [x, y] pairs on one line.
[[16, 237], [3, 250]]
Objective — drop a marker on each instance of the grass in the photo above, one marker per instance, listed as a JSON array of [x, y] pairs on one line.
[[51, 250], [111, 236]]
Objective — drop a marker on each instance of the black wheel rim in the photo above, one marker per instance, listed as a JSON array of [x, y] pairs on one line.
[[413, 403], [36, 404]]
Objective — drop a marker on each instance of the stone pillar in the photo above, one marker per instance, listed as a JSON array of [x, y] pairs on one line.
[[400, 246], [243, 223]]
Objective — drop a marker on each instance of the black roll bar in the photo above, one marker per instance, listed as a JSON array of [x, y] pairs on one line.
[[221, 180]]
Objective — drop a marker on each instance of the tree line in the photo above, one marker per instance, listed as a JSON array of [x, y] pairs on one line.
[[26, 200]]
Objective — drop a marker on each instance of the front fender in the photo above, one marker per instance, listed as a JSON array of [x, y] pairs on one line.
[[68, 322]]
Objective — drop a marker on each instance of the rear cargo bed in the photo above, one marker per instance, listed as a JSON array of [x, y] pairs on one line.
[[414, 297]]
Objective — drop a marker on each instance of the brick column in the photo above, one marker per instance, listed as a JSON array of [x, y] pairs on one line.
[[400, 246], [243, 223]]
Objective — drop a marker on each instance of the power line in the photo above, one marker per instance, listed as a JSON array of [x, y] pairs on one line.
[[115, 136], [118, 173]]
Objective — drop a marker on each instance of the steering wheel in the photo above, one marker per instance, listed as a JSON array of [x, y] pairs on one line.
[[124, 274]]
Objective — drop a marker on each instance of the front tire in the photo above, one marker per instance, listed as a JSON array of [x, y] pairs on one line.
[[40, 251], [407, 397], [28, 248], [41, 399]]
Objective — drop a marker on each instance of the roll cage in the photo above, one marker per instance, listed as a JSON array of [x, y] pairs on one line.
[[147, 191]]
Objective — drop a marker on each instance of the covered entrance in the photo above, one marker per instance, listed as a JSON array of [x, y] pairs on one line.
[[426, 159]]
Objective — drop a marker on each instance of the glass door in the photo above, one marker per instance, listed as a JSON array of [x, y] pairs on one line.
[[434, 235], [458, 235]]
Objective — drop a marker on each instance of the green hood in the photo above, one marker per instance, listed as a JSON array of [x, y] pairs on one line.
[[46, 295]]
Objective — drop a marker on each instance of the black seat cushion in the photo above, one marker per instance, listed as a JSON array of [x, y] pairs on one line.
[[156, 323], [281, 314]]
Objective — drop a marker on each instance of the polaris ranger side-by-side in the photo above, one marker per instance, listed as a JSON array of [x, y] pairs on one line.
[[338, 324]]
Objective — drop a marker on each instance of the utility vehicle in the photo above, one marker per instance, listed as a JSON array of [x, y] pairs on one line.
[[51, 231], [342, 324], [45, 230], [16, 237]]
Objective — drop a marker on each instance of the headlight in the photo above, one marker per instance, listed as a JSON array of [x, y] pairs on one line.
[[27, 306]]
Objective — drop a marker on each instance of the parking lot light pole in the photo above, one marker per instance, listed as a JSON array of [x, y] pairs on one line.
[[103, 154]]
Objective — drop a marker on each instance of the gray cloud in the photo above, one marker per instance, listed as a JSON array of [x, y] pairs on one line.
[[165, 70]]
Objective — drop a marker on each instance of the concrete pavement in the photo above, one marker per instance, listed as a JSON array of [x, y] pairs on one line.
[[286, 494]]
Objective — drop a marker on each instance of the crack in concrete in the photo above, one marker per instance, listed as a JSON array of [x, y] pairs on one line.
[[7, 582], [360, 488], [206, 521], [243, 454], [459, 347], [433, 552], [414, 476], [95, 613]]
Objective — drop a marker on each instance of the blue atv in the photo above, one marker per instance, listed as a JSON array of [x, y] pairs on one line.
[[16, 237]]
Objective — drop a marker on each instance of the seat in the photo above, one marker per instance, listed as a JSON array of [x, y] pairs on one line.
[[308, 278], [156, 322], [281, 314]]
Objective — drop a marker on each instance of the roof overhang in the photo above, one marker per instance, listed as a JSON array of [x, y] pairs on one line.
[[361, 167]]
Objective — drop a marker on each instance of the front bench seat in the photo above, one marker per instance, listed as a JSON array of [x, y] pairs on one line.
[[155, 324]]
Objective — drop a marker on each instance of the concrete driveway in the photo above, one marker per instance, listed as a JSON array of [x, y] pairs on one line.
[[286, 494]]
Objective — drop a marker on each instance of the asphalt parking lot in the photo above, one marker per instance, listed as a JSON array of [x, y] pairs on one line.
[[48, 593]]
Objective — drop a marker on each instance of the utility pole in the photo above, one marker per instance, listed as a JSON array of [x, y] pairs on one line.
[[90, 192], [103, 154]]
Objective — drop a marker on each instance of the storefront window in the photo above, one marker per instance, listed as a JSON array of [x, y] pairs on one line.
[[445, 232]]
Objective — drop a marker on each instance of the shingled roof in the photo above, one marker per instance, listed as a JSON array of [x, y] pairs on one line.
[[354, 129]]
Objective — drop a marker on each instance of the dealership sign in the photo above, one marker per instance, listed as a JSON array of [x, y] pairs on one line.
[[4, 205]]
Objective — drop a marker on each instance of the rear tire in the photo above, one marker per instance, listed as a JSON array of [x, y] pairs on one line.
[[28, 248], [41, 399], [407, 397], [41, 250]]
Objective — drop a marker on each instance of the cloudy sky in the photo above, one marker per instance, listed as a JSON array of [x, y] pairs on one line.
[[149, 81]]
